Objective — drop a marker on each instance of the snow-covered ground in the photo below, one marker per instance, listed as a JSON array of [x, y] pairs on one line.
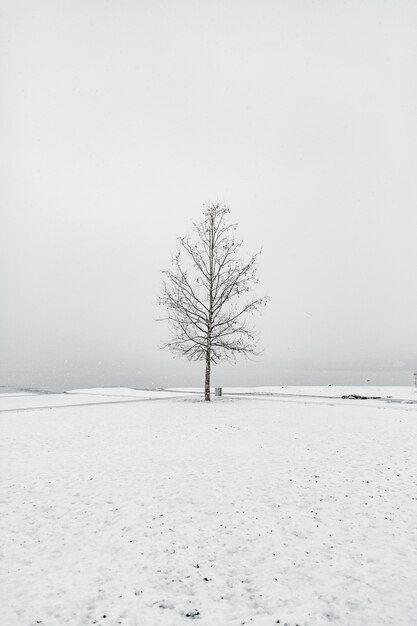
[[313, 391], [80, 397], [242, 511], [337, 391], [128, 392]]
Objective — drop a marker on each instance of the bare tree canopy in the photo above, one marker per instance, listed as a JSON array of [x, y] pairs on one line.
[[207, 294]]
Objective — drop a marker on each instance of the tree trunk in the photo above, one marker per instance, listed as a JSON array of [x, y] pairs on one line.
[[207, 380], [210, 311]]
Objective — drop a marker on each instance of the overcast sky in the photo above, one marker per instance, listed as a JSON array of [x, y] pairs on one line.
[[120, 119]]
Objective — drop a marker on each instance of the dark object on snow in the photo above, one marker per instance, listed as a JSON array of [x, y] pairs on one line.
[[354, 396], [218, 391]]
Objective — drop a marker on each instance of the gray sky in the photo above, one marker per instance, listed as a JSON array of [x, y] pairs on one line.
[[120, 119]]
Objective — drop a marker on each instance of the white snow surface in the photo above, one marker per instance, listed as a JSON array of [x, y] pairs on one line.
[[81, 396], [337, 391], [49, 400], [127, 391], [234, 512], [316, 391]]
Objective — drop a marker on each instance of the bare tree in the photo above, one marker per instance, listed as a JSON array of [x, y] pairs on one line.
[[207, 297]]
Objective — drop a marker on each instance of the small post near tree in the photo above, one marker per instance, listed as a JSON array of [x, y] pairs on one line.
[[207, 294]]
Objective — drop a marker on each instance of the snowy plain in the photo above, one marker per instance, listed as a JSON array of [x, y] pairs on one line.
[[247, 510], [22, 402]]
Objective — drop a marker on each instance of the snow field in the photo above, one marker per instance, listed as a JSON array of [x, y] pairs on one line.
[[229, 513], [9, 402]]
